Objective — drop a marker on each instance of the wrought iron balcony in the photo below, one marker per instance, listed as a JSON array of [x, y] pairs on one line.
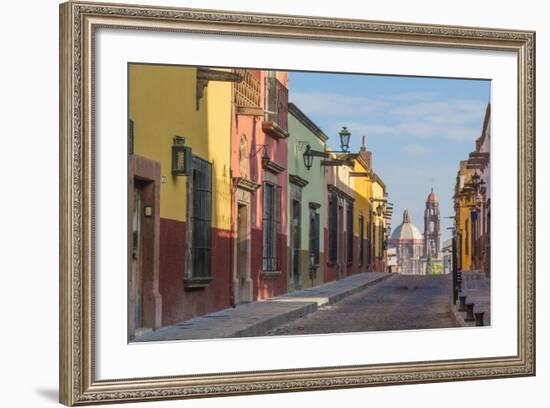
[[276, 107], [247, 94]]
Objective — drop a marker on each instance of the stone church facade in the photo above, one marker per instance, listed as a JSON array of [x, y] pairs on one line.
[[419, 254], [407, 240]]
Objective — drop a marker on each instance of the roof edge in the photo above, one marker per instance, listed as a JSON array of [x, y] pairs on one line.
[[306, 121]]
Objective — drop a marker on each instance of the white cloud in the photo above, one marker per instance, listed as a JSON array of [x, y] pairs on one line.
[[406, 115], [417, 150], [455, 112], [333, 104], [410, 96]]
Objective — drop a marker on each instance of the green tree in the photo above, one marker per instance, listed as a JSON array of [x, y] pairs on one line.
[[430, 265]]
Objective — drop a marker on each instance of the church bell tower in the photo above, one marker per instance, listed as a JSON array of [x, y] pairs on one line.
[[432, 232]]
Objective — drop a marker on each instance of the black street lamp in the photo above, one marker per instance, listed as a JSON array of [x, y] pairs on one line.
[[383, 204], [265, 157], [310, 153], [476, 182], [344, 138], [308, 157]]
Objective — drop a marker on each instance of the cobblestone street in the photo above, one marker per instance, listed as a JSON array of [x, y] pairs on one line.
[[398, 303]]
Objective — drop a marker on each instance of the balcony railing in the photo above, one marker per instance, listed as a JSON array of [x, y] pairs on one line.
[[247, 93], [276, 106]]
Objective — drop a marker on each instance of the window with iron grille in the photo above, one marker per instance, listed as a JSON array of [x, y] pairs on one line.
[[349, 231], [314, 236], [361, 238], [271, 226], [202, 217], [332, 227]]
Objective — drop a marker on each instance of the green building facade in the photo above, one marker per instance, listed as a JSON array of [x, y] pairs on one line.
[[305, 203]]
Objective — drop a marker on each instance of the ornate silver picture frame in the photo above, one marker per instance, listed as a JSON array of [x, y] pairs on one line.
[[79, 24]]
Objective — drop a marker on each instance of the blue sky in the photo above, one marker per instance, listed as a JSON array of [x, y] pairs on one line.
[[418, 129]]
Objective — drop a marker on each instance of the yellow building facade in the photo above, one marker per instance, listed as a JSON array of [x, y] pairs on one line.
[[163, 104], [179, 192], [464, 201], [362, 187], [378, 224]]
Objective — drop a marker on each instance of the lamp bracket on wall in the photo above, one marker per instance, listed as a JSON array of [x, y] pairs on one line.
[[257, 148]]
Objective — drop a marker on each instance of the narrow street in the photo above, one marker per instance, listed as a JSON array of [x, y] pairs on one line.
[[399, 303]]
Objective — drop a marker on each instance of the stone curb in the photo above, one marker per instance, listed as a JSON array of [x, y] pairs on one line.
[[344, 294], [286, 308], [261, 328]]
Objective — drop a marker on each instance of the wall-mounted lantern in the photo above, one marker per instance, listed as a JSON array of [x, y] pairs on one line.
[[384, 207], [181, 157], [308, 157], [476, 183], [344, 139], [265, 157], [267, 163], [309, 154], [265, 154]]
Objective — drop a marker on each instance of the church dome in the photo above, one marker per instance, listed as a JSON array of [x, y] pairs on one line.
[[406, 230], [432, 198]]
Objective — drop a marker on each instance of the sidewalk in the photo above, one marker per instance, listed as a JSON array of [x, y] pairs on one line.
[[477, 289], [257, 318]]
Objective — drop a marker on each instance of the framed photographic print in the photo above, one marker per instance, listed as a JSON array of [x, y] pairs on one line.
[[256, 203]]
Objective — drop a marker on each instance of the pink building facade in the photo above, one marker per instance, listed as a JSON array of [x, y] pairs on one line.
[[259, 151]]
